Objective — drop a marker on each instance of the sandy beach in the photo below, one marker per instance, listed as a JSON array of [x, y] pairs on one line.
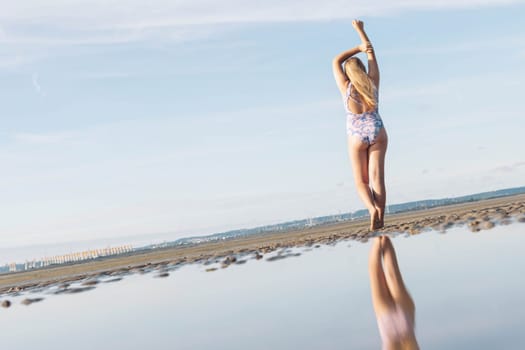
[[476, 216]]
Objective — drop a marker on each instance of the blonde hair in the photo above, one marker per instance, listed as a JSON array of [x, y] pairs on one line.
[[355, 71]]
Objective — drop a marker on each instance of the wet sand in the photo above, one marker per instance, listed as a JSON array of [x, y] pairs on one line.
[[476, 216]]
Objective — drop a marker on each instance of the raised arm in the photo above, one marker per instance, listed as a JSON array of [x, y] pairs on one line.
[[373, 68], [337, 66]]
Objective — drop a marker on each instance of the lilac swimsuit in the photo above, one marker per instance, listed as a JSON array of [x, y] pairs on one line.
[[394, 325], [366, 125]]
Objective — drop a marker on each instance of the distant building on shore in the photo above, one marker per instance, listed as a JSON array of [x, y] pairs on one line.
[[66, 258], [12, 267]]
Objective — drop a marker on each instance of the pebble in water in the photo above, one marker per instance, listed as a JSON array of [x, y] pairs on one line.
[[474, 228], [506, 221], [282, 256], [6, 303], [74, 290], [116, 279], [90, 283], [228, 261], [162, 275], [29, 301]]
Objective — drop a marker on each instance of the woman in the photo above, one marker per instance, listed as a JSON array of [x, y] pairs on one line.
[[367, 138], [394, 308]]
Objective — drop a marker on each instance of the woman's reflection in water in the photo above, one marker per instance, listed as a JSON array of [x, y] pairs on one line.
[[393, 305]]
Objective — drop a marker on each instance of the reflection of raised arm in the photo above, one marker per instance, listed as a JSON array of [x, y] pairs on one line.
[[373, 68]]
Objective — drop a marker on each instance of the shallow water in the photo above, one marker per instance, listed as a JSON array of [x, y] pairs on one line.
[[467, 288]]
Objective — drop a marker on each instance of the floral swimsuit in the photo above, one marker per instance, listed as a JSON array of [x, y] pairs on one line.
[[366, 125]]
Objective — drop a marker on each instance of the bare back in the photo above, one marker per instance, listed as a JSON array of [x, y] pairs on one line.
[[353, 100]]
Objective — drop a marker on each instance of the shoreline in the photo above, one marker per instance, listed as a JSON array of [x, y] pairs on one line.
[[479, 215]]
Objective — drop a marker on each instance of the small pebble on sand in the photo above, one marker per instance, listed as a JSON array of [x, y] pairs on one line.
[[474, 228], [487, 225]]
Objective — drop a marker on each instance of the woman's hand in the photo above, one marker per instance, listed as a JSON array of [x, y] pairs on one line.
[[358, 25], [366, 47]]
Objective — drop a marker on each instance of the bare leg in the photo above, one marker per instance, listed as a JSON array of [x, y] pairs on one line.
[[381, 298], [358, 152], [376, 161], [394, 279]]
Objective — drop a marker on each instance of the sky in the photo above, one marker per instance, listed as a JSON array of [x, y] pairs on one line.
[[194, 117]]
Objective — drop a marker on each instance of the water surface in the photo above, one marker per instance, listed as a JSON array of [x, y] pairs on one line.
[[467, 288]]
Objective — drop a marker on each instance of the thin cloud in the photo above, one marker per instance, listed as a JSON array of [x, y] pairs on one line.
[[509, 42], [445, 86], [36, 84], [43, 138], [10, 59], [509, 168], [30, 30], [102, 22]]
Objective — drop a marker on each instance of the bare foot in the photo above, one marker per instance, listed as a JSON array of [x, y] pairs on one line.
[[380, 219], [380, 223], [374, 220]]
